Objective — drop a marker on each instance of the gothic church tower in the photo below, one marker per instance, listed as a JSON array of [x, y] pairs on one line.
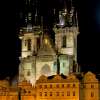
[[38, 55], [66, 32]]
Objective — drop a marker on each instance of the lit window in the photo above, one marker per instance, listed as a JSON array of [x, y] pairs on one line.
[[92, 94], [50, 93], [24, 91], [25, 42], [68, 93], [46, 41], [45, 93], [73, 93], [40, 93], [57, 93]]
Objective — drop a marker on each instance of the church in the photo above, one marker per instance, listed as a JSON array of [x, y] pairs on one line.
[[40, 54], [48, 68]]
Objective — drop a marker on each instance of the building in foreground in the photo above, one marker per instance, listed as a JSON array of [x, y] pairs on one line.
[[56, 87]]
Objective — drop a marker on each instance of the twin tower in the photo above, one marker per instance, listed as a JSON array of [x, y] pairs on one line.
[[41, 56]]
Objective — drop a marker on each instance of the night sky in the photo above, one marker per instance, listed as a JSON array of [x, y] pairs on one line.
[[88, 40]]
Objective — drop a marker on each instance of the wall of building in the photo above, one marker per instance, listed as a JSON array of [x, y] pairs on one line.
[[55, 88]]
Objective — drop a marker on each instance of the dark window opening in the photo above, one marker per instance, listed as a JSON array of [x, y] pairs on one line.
[[92, 86], [28, 73], [29, 44], [45, 94], [50, 93], [73, 85], [40, 86], [74, 93], [92, 94], [40, 93], [64, 42], [45, 86]]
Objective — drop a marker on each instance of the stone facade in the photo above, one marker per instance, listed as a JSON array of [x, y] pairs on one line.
[[56, 87]]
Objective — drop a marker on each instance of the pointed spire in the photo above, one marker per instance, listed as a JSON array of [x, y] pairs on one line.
[[54, 10], [65, 6], [28, 19], [36, 13]]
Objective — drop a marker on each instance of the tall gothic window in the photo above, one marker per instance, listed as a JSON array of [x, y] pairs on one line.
[[64, 42], [38, 43], [25, 42], [29, 44]]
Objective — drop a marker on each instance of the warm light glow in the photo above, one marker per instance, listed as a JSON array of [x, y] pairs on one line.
[[46, 41]]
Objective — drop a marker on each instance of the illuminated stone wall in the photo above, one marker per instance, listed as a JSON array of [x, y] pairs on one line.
[[70, 47], [58, 88]]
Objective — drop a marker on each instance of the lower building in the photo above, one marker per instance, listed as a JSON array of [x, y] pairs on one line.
[[56, 87]]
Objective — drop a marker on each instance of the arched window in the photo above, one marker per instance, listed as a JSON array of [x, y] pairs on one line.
[[64, 42], [45, 70], [29, 44], [28, 73]]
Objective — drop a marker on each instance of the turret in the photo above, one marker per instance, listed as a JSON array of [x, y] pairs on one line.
[[66, 31]]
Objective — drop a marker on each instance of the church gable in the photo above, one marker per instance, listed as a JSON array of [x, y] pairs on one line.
[[46, 48], [89, 77], [71, 78]]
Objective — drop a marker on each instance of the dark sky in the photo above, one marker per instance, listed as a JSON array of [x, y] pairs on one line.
[[88, 40]]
